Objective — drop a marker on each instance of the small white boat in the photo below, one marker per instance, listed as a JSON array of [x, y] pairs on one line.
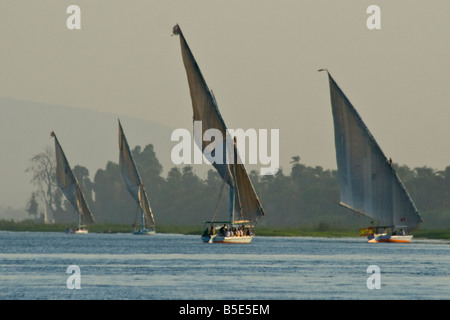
[[144, 231], [394, 236], [228, 232], [81, 230], [135, 187], [243, 198], [389, 238], [78, 230], [70, 187], [368, 182]]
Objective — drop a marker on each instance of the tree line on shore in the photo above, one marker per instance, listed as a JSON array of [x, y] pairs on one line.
[[306, 196]]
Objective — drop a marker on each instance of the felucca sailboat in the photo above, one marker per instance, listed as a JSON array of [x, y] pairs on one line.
[[135, 187], [244, 208], [368, 183], [70, 187]]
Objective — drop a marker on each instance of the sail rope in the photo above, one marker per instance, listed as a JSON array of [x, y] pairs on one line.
[[136, 216], [219, 201]]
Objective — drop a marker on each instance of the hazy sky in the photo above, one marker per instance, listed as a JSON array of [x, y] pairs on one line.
[[260, 58]]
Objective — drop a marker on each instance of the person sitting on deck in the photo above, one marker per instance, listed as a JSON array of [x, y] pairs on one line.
[[222, 230]]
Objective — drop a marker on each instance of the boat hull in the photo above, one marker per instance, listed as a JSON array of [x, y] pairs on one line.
[[146, 232], [376, 238], [225, 232], [82, 231], [77, 231], [224, 239]]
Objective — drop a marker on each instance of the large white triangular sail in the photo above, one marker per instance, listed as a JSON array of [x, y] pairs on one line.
[[69, 185], [368, 183], [133, 180], [205, 109]]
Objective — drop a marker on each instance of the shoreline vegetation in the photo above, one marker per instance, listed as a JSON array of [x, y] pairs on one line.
[[320, 230]]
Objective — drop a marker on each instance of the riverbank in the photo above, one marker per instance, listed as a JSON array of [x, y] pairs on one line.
[[279, 231]]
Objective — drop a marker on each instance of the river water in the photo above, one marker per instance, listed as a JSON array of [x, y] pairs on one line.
[[34, 265]]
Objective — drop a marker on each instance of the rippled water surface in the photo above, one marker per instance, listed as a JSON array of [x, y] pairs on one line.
[[33, 266]]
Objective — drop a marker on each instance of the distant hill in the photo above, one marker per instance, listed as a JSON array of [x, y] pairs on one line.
[[89, 139]]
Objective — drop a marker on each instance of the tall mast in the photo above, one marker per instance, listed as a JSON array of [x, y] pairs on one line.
[[232, 198]]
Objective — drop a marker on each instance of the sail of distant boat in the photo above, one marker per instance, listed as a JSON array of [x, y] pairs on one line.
[[70, 187], [368, 182], [245, 205], [135, 185]]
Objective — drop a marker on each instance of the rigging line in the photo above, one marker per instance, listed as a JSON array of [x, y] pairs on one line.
[[241, 214], [74, 212], [219, 201], [137, 212]]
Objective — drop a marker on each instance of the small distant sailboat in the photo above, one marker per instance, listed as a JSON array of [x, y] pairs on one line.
[[135, 187], [69, 185], [368, 183], [243, 199]]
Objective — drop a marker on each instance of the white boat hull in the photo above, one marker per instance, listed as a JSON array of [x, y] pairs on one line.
[[147, 232], [224, 239], [77, 231], [390, 238]]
